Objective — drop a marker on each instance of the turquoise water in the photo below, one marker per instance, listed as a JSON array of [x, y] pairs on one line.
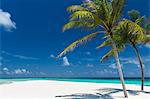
[[114, 81]]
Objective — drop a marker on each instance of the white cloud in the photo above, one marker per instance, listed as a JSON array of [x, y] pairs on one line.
[[88, 53], [65, 61], [5, 21], [105, 71], [52, 56], [147, 45], [42, 73], [5, 69], [25, 57], [89, 65], [134, 61], [21, 71], [19, 56], [112, 66]]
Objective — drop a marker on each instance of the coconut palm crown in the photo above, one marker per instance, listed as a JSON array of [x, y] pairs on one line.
[[93, 14], [130, 32]]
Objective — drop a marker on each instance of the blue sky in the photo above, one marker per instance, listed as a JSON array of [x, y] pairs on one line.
[[31, 35]]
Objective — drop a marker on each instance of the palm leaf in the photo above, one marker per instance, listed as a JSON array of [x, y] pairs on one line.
[[146, 40], [79, 24], [135, 31], [105, 43], [133, 15], [117, 7], [140, 20], [77, 43], [75, 8], [107, 55], [75, 24], [86, 16], [81, 15], [84, 19]]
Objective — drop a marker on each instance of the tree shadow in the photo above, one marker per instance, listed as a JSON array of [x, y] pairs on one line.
[[104, 93], [3, 83], [85, 96]]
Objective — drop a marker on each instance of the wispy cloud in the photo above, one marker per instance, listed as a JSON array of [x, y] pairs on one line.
[[112, 66], [134, 60], [6, 71], [65, 61], [90, 65], [52, 56], [88, 53], [18, 71], [21, 71], [105, 71], [19, 56], [147, 45], [5, 21]]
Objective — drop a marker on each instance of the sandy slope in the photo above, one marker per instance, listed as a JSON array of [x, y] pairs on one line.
[[67, 90]]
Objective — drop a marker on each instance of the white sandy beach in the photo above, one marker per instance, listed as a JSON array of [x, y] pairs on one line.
[[69, 90]]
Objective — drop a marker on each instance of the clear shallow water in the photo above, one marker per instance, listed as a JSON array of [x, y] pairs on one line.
[[114, 81]]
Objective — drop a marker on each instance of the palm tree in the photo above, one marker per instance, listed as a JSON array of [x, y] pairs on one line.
[[130, 32], [135, 17], [102, 14]]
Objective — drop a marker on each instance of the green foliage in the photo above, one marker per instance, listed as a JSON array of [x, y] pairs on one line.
[[117, 8], [134, 15], [107, 55], [77, 43], [105, 13], [75, 8], [124, 33], [133, 31], [140, 20], [78, 24]]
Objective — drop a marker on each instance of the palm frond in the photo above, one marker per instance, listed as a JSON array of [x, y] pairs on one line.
[[86, 16], [107, 55], [117, 7], [81, 15], [135, 31], [77, 24], [105, 43], [80, 24], [140, 20], [133, 15], [146, 40], [75, 8], [75, 44], [84, 19]]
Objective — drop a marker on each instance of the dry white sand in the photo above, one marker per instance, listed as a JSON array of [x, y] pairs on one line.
[[68, 90]]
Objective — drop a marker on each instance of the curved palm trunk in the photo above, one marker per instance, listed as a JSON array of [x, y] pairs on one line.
[[119, 67], [141, 65]]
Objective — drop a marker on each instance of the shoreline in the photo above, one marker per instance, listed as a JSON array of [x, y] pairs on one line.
[[82, 80], [51, 89]]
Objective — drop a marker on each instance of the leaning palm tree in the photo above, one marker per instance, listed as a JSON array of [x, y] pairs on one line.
[[102, 14], [144, 38], [129, 32], [135, 17]]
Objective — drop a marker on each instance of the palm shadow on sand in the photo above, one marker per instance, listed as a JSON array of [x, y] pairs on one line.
[[105, 93]]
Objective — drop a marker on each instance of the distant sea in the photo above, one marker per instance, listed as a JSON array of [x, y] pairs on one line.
[[136, 81]]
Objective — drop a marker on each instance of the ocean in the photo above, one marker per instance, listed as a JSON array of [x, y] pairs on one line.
[[136, 81]]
